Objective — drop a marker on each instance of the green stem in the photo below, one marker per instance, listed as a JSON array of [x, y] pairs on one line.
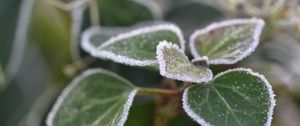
[[156, 91], [94, 13]]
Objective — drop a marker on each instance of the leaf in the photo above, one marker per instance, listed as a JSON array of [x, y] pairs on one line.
[[126, 12], [190, 16], [19, 39], [52, 35], [235, 97], [227, 42], [136, 47], [173, 63], [96, 97]]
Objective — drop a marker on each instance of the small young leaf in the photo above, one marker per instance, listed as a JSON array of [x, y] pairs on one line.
[[96, 97], [137, 47], [236, 97], [227, 42], [173, 63]]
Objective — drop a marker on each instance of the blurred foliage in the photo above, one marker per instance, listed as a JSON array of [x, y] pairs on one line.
[[50, 29]]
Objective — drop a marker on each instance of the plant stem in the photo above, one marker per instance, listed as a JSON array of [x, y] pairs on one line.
[[94, 12], [157, 91], [70, 70]]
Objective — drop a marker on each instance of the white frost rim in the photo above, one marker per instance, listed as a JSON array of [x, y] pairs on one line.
[[97, 52], [256, 35], [162, 65], [75, 82], [272, 100]]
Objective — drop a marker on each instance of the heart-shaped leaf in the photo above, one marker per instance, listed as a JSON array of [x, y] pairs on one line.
[[136, 47], [173, 63], [237, 97], [96, 97], [227, 42]]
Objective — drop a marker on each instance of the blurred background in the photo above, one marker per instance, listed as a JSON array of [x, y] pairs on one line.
[[40, 52]]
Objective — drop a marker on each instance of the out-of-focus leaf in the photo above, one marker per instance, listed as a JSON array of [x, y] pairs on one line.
[[227, 42], [190, 16], [96, 97], [122, 12], [174, 64], [136, 47], [8, 17], [235, 97], [50, 30]]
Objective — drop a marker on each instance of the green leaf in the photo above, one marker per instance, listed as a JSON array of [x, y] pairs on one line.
[[237, 97], [227, 42], [173, 63], [96, 97], [126, 12], [136, 47], [52, 35]]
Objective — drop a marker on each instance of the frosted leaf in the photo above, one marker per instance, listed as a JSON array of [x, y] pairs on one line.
[[234, 97], [136, 47], [174, 64], [96, 97], [227, 42]]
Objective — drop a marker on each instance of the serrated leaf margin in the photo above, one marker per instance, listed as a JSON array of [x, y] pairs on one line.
[[256, 36], [202, 122], [75, 82]]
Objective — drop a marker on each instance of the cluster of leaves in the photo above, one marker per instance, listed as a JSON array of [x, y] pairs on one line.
[[234, 97]]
